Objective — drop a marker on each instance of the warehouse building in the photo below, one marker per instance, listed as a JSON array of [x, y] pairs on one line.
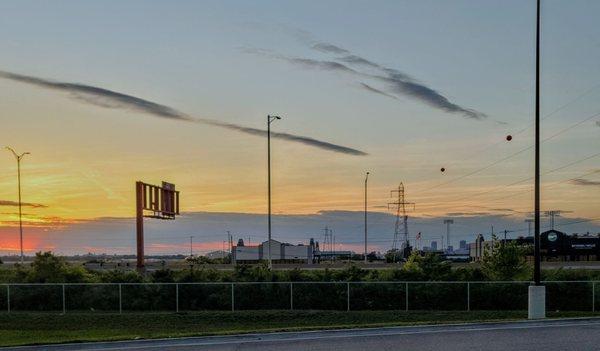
[[280, 252]]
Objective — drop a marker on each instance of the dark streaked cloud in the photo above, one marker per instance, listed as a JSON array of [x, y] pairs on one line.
[[329, 48], [376, 91], [396, 83], [112, 99], [585, 182], [468, 214], [24, 204]]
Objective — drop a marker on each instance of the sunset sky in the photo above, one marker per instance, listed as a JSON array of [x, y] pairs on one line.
[[414, 85]]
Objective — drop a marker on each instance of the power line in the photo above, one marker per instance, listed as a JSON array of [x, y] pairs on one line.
[[564, 130]]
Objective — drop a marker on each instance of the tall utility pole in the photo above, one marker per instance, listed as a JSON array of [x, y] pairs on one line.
[[447, 222], [270, 119], [537, 292], [18, 158], [400, 212], [327, 240], [529, 221], [366, 180], [333, 244], [191, 245]]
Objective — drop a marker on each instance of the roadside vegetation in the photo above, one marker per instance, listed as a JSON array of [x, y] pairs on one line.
[[504, 263], [437, 293], [258, 288]]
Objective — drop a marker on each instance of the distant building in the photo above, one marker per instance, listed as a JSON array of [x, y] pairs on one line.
[[339, 254], [477, 249], [554, 246], [280, 252], [217, 254], [463, 244], [434, 246]]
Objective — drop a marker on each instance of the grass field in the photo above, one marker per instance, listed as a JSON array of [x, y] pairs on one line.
[[26, 328]]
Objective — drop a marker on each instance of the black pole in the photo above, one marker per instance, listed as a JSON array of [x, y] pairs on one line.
[[20, 213], [366, 179], [536, 241], [269, 181]]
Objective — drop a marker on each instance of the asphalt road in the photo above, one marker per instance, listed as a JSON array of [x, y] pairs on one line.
[[572, 335]]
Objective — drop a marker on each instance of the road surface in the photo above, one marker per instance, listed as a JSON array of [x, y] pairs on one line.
[[572, 335]]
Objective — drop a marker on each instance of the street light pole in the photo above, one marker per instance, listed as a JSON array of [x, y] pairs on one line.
[[366, 179], [270, 119], [447, 222], [191, 246], [529, 221], [537, 292], [537, 254], [18, 158]]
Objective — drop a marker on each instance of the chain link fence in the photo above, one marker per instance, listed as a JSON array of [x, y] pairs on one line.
[[228, 296]]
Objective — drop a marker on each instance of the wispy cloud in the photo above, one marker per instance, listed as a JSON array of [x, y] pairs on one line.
[[585, 182], [329, 48], [24, 204], [396, 83], [111, 99], [367, 87]]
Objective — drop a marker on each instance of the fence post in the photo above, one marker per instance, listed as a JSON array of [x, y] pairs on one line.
[[291, 296], [8, 297], [232, 298], [406, 295], [593, 296], [176, 297], [468, 296], [347, 296], [120, 300], [64, 303]]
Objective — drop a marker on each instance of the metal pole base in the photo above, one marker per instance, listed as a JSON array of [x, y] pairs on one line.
[[537, 302]]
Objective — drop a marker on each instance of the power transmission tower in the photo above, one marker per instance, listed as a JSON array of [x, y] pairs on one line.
[[401, 227]]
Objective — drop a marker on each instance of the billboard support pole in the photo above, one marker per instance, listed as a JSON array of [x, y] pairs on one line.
[[139, 221]]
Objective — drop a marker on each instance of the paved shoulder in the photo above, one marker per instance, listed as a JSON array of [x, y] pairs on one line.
[[550, 335]]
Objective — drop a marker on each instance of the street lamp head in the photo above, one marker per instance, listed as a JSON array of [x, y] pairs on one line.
[[17, 156]]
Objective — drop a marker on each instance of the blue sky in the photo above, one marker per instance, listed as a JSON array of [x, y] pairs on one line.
[[196, 56]]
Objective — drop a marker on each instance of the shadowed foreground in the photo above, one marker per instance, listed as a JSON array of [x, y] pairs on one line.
[[22, 328]]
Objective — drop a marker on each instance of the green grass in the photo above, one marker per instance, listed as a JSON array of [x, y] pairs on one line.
[[39, 328]]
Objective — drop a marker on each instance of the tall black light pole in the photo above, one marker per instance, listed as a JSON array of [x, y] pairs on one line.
[[366, 179], [18, 158], [270, 119], [537, 292], [537, 255]]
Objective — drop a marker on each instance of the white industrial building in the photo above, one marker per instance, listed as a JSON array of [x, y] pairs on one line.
[[280, 252]]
